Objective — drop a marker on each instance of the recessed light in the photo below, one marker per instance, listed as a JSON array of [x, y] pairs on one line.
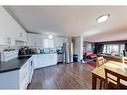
[[102, 18], [50, 36]]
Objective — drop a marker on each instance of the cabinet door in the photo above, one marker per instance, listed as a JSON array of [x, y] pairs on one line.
[[43, 60], [34, 40], [35, 61], [24, 36], [48, 43], [38, 40], [31, 39], [58, 42], [51, 43], [31, 68], [53, 60], [24, 76]]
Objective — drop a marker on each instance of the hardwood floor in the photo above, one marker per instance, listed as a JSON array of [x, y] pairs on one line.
[[63, 76]]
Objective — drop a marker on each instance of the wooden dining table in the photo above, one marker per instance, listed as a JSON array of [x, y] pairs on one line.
[[99, 72]]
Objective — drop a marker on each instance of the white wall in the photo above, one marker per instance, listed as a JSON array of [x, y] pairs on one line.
[[8, 28]]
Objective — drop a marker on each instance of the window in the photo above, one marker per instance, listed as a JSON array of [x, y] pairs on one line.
[[48, 43], [121, 49], [104, 50], [114, 49]]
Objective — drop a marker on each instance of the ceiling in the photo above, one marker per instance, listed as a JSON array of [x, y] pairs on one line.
[[73, 21]]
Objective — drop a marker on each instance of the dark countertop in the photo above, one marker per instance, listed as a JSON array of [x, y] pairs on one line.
[[14, 64], [37, 54], [60, 53]]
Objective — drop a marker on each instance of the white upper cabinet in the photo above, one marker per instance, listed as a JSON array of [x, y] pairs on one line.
[[30, 39], [59, 41], [21, 36], [9, 29], [34, 40], [37, 40], [48, 43]]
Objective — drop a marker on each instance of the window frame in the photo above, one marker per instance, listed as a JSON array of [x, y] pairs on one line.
[[119, 49]]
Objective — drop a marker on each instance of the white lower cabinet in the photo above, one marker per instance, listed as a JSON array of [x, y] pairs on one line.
[[31, 68], [43, 60], [24, 75], [19, 79], [35, 61], [47, 60]]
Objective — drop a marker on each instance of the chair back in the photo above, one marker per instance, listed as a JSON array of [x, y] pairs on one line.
[[115, 78], [99, 61], [124, 60]]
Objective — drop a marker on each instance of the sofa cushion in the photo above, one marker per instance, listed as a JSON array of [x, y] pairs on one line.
[[92, 55]]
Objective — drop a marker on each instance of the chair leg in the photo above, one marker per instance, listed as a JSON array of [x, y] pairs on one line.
[[104, 85], [100, 84]]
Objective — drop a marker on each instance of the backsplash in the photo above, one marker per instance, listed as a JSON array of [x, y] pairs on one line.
[[48, 50], [2, 47], [17, 46]]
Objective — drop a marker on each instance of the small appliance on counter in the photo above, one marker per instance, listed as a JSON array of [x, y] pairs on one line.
[[35, 50], [47, 50], [24, 51], [27, 50], [60, 50]]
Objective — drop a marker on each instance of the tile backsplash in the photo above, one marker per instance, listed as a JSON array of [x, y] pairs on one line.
[[2, 47]]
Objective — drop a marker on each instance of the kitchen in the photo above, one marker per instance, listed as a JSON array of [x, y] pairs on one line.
[[22, 52]]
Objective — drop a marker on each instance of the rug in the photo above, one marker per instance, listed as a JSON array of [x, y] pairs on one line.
[[92, 63]]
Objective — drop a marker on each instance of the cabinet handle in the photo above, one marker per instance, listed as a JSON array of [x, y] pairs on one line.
[[31, 63]]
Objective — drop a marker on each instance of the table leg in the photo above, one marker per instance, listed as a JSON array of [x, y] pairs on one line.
[[101, 82], [94, 81]]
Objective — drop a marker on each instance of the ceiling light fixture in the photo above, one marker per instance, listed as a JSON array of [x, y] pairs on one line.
[[50, 36], [102, 18]]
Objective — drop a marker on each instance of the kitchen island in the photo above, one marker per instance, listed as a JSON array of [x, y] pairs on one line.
[[17, 73]]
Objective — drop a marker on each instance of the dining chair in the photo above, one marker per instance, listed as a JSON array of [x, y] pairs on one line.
[[124, 60], [115, 80], [100, 61]]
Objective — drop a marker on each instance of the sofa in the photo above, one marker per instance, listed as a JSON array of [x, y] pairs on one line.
[[90, 55]]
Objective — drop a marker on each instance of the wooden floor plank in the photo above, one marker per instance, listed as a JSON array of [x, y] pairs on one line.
[[63, 76]]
